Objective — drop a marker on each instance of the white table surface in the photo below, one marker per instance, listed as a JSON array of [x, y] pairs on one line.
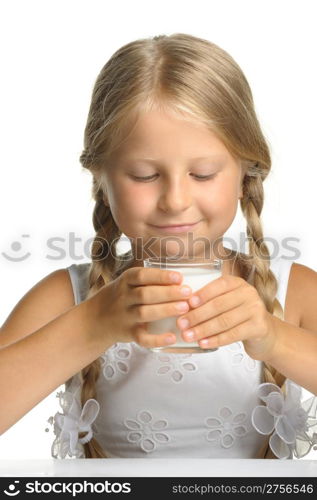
[[140, 467]]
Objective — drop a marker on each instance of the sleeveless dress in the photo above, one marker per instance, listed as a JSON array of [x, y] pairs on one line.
[[169, 405]]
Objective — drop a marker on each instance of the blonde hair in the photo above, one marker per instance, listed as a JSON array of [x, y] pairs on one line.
[[199, 81]]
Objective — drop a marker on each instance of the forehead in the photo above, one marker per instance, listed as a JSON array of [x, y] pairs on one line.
[[156, 132]]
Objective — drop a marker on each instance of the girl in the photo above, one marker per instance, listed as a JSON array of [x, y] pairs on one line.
[[172, 138]]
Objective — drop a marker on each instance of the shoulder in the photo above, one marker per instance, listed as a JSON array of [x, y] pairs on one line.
[[48, 298], [79, 270], [79, 277], [301, 296], [57, 286]]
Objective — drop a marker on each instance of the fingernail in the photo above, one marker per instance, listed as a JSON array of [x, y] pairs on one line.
[[185, 290], [182, 306], [204, 342], [175, 277], [189, 335], [184, 323], [194, 301], [170, 339]]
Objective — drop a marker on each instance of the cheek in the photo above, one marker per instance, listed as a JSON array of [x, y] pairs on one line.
[[222, 198], [131, 204], [139, 201]]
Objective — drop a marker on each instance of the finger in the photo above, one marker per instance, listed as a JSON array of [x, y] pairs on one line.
[[214, 307], [146, 313], [150, 340], [158, 294], [137, 276], [224, 322], [240, 332], [217, 287]]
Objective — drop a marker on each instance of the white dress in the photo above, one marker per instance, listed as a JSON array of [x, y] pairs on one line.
[[199, 405]]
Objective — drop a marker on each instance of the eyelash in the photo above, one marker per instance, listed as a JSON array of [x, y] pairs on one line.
[[198, 177]]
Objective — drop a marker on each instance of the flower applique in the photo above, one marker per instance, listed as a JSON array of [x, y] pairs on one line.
[[226, 428], [147, 432], [115, 360], [239, 356], [70, 423], [177, 366], [314, 441], [293, 422]]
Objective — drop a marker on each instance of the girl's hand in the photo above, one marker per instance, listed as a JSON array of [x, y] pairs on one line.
[[230, 310], [139, 295]]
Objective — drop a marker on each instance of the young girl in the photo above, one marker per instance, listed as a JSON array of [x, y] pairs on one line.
[[172, 138]]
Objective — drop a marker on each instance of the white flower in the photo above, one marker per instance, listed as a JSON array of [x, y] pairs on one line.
[[240, 357], [226, 428], [293, 422], [70, 423], [116, 360], [176, 366], [146, 431]]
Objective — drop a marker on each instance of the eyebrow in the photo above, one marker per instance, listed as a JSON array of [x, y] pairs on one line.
[[210, 157]]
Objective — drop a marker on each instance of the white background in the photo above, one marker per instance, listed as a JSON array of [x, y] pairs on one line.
[[51, 53]]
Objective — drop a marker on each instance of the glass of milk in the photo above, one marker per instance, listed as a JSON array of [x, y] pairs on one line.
[[196, 274]]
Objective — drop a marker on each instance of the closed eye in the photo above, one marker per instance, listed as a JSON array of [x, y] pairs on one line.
[[198, 177]]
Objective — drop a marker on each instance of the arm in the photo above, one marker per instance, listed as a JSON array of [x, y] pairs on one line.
[[44, 341], [295, 354], [231, 310], [31, 368], [295, 350]]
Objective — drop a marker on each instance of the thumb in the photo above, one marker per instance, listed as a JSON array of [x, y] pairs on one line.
[[151, 340]]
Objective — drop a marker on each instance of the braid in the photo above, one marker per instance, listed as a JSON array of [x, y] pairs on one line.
[[103, 269], [90, 376], [264, 279]]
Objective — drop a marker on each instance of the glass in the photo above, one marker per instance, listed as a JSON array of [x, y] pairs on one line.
[[196, 274]]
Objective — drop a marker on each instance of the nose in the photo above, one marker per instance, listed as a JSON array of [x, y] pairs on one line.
[[176, 195]]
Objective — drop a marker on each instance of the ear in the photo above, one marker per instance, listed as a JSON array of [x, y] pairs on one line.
[[105, 200], [241, 188], [244, 169]]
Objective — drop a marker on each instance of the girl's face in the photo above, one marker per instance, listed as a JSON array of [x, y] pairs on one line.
[[174, 155]]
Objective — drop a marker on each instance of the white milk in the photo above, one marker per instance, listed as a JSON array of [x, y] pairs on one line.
[[196, 278]]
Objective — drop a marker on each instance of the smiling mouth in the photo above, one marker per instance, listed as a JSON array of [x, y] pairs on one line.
[[176, 229]]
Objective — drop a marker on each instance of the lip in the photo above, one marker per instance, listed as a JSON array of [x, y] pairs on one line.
[[177, 229]]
